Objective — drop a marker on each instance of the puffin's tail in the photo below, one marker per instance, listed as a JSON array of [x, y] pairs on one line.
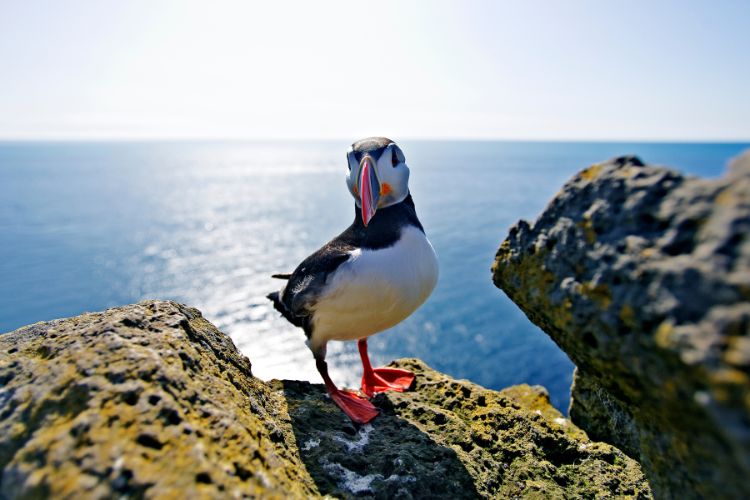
[[279, 306]]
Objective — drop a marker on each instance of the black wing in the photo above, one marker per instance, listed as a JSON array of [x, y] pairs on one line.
[[307, 281]]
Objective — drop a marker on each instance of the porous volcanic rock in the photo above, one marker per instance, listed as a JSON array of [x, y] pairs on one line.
[[642, 275], [150, 400], [454, 439]]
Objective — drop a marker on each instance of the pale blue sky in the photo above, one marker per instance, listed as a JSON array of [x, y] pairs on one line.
[[620, 70]]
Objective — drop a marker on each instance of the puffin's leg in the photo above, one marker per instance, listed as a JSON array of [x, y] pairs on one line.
[[382, 379], [358, 409]]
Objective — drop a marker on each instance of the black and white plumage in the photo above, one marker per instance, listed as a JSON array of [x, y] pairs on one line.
[[370, 277]]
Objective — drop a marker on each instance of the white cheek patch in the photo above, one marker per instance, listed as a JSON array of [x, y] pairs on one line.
[[397, 179]]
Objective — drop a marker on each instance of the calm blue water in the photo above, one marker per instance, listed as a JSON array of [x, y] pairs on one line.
[[85, 226]]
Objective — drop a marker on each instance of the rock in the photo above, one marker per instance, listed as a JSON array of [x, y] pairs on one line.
[[454, 439], [148, 399], [642, 275], [151, 400]]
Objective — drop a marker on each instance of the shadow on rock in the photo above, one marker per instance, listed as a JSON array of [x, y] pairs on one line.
[[388, 458], [450, 438]]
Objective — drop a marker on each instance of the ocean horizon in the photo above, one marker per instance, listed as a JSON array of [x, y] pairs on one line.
[[88, 225]]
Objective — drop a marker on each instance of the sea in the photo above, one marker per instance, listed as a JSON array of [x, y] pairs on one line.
[[89, 225]]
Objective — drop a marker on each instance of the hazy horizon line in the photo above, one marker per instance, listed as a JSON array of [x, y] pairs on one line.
[[123, 139]]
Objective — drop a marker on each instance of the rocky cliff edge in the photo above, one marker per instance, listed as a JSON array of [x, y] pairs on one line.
[[151, 400]]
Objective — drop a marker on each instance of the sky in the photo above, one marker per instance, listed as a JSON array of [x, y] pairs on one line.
[[573, 70]]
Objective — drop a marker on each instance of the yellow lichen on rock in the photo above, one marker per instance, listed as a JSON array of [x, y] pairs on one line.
[[152, 401], [592, 172], [144, 399], [652, 268]]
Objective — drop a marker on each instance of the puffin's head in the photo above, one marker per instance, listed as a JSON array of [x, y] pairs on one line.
[[378, 176]]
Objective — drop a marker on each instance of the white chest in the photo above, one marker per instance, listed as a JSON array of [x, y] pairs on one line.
[[376, 289]]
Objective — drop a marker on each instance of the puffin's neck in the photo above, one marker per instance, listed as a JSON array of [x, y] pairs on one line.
[[385, 227]]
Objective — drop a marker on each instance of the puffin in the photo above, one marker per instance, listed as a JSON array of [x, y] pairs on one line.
[[367, 279]]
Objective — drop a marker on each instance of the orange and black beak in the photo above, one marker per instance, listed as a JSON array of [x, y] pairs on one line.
[[369, 189]]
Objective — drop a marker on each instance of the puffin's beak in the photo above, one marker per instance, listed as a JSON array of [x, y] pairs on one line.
[[369, 189]]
